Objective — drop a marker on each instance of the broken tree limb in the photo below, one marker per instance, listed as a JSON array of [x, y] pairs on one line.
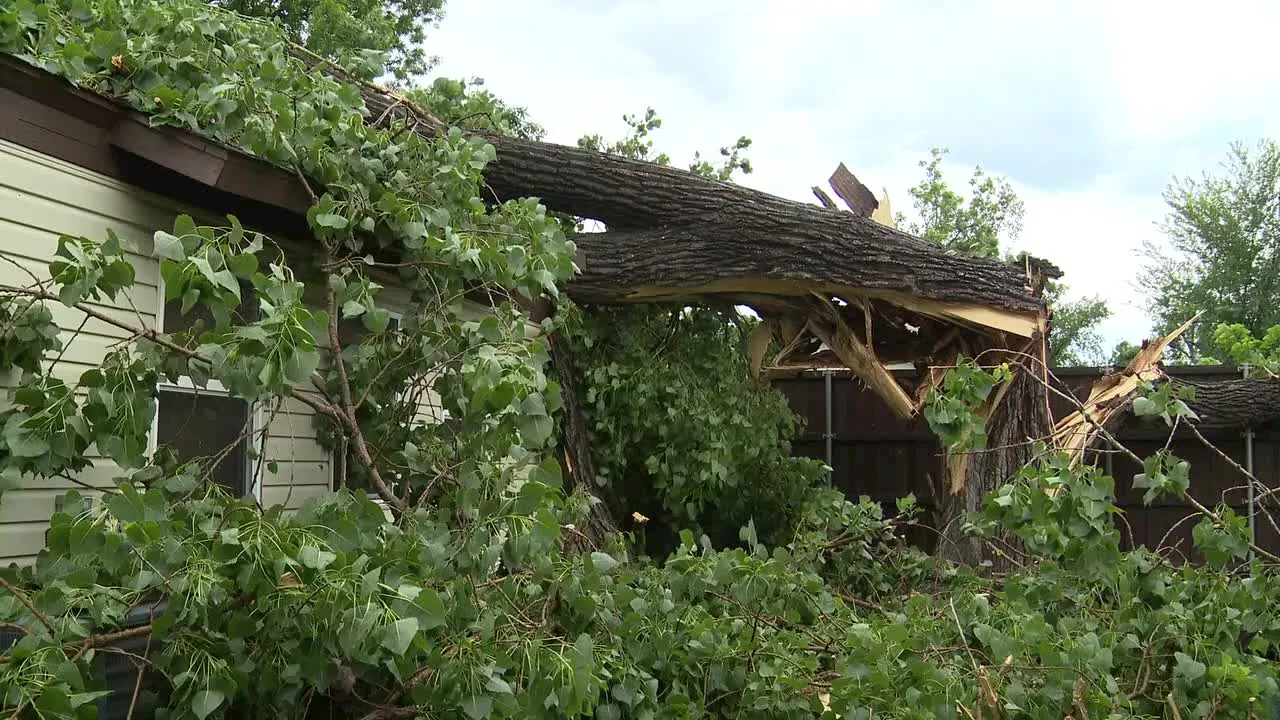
[[758, 344], [831, 328], [824, 198], [1111, 395], [861, 201]]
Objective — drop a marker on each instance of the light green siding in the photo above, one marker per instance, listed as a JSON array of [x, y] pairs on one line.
[[41, 199]]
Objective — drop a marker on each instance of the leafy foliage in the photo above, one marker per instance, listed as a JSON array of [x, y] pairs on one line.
[[1223, 251], [682, 433], [1236, 342], [638, 144], [1123, 353], [974, 226], [342, 29], [952, 409], [1073, 334], [464, 103], [470, 601]]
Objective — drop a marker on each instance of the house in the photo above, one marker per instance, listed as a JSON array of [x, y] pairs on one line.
[[872, 294], [74, 164]]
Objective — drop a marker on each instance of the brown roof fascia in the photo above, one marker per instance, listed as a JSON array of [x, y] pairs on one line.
[[47, 114], [188, 154]]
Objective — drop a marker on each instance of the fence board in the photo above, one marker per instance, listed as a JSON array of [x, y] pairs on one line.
[[877, 454]]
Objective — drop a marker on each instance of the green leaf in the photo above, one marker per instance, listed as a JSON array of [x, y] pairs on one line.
[[205, 702], [536, 429], [243, 265], [1188, 667], [377, 320], [496, 684], [603, 562], [398, 635], [433, 609], [331, 220], [169, 247], [313, 557], [183, 225], [477, 707]]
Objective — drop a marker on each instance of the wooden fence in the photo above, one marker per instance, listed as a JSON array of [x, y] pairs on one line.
[[877, 454]]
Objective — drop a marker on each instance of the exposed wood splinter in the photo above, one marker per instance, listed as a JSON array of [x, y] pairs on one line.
[[1077, 432], [859, 358]]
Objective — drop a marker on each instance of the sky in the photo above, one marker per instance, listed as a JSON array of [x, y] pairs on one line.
[[1089, 108]]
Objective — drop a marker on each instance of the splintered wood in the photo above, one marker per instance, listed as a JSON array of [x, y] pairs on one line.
[[858, 356], [1076, 432]]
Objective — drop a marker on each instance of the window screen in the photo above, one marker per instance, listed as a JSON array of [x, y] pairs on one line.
[[204, 426]]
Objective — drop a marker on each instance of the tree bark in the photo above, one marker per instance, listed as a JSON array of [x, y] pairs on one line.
[[786, 250], [576, 441], [1021, 417], [733, 229], [1234, 403]]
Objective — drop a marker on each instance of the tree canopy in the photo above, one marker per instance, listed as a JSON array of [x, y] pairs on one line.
[[1222, 255], [342, 29]]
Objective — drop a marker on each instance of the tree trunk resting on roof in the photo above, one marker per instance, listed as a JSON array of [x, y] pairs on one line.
[[764, 252], [653, 210]]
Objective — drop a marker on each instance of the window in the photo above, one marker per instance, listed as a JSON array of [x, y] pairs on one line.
[[207, 422]]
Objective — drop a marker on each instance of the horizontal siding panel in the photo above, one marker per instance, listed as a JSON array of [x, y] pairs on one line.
[[41, 213], [292, 425], [293, 450], [35, 247], [291, 496], [32, 505], [20, 541], [300, 472], [103, 473], [31, 176]]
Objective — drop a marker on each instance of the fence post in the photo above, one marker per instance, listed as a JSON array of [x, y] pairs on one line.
[[1248, 465], [828, 435]]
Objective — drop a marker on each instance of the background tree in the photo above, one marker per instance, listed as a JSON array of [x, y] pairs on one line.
[[991, 216], [1123, 353], [336, 29], [1073, 332], [1222, 256]]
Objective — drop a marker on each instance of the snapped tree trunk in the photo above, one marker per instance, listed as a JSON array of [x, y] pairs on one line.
[[1020, 417], [575, 439]]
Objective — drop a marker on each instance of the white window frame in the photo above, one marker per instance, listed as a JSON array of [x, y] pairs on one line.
[[257, 440]]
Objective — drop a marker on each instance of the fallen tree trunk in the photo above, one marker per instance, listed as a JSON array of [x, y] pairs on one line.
[[673, 207], [1234, 403], [784, 250]]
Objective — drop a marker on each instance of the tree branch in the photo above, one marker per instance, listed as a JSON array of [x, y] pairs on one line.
[[22, 597]]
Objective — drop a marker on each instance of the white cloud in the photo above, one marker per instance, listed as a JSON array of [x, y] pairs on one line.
[[1090, 108]]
